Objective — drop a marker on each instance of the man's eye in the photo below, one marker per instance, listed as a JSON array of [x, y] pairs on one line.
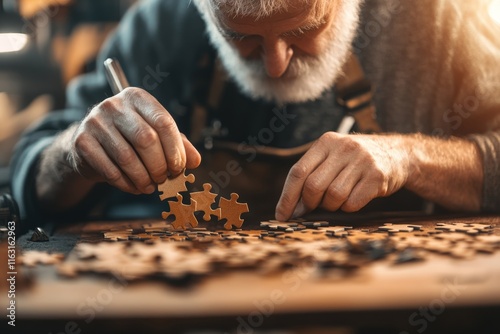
[[238, 38], [234, 37], [299, 32]]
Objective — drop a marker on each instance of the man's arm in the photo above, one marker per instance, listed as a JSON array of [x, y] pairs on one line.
[[348, 171], [58, 186], [129, 141]]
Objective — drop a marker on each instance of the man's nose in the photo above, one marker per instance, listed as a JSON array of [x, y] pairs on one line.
[[277, 54]]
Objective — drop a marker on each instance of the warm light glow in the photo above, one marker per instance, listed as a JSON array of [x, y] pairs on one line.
[[494, 11], [11, 42]]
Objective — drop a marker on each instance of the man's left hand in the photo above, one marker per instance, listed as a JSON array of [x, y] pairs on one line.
[[344, 172]]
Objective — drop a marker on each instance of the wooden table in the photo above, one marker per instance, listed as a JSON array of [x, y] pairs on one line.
[[439, 295]]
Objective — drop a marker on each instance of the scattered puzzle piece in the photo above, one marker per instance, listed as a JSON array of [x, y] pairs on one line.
[[490, 239], [316, 224], [204, 200], [464, 227], [453, 237], [172, 186], [184, 214], [32, 258], [394, 228], [335, 230], [232, 211], [284, 226]]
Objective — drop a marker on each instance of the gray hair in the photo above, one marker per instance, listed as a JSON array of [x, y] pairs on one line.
[[253, 8]]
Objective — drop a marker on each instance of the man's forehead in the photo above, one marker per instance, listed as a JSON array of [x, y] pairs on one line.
[[297, 12], [261, 12]]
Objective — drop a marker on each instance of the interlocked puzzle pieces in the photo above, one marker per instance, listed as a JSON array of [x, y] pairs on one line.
[[231, 210]]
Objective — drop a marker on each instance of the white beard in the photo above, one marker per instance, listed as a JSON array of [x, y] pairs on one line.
[[306, 77]]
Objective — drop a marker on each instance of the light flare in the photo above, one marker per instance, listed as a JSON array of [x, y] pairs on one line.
[[12, 42], [494, 10]]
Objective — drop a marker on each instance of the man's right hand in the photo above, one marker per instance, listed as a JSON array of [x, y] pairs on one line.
[[131, 142]]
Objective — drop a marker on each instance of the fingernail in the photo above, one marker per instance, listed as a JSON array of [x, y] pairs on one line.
[[279, 216], [150, 189], [299, 211]]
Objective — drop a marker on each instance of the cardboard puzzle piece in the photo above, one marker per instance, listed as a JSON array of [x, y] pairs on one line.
[[454, 237], [232, 211], [32, 258], [283, 226], [360, 235], [204, 200], [490, 239], [172, 186], [316, 224], [184, 214], [394, 228], [464, 227], [402, 242], [335, 230]]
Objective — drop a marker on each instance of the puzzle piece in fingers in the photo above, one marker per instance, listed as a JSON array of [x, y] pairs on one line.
[[204, 200], [174, 185], [184, 214], [232, 211]]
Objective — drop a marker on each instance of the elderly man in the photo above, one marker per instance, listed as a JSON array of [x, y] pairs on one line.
[[434, 66]]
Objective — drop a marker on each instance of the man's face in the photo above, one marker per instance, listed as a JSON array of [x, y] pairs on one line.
[[289, 56], [275, 40]]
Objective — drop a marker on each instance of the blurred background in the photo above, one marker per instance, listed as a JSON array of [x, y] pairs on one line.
[[43, 45]]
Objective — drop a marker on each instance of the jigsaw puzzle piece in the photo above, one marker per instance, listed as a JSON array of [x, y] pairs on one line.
[[174, 185], [465, 227], [184, 214], [394, 228], [204, 200], [232, 211]]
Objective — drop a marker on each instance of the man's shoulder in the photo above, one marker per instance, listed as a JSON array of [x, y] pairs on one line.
[[168, 12], [398, 26]]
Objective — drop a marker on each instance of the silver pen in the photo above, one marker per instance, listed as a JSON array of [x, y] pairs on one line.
[[114, 74]]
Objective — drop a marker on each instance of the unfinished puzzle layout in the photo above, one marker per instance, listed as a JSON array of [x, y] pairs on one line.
[[158, 251]]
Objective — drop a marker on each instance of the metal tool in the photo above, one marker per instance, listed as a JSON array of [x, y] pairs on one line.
[[39, 235], [115, 75]]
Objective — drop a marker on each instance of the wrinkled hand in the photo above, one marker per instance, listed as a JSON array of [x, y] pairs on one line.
[[344, 172], [131, 142]]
